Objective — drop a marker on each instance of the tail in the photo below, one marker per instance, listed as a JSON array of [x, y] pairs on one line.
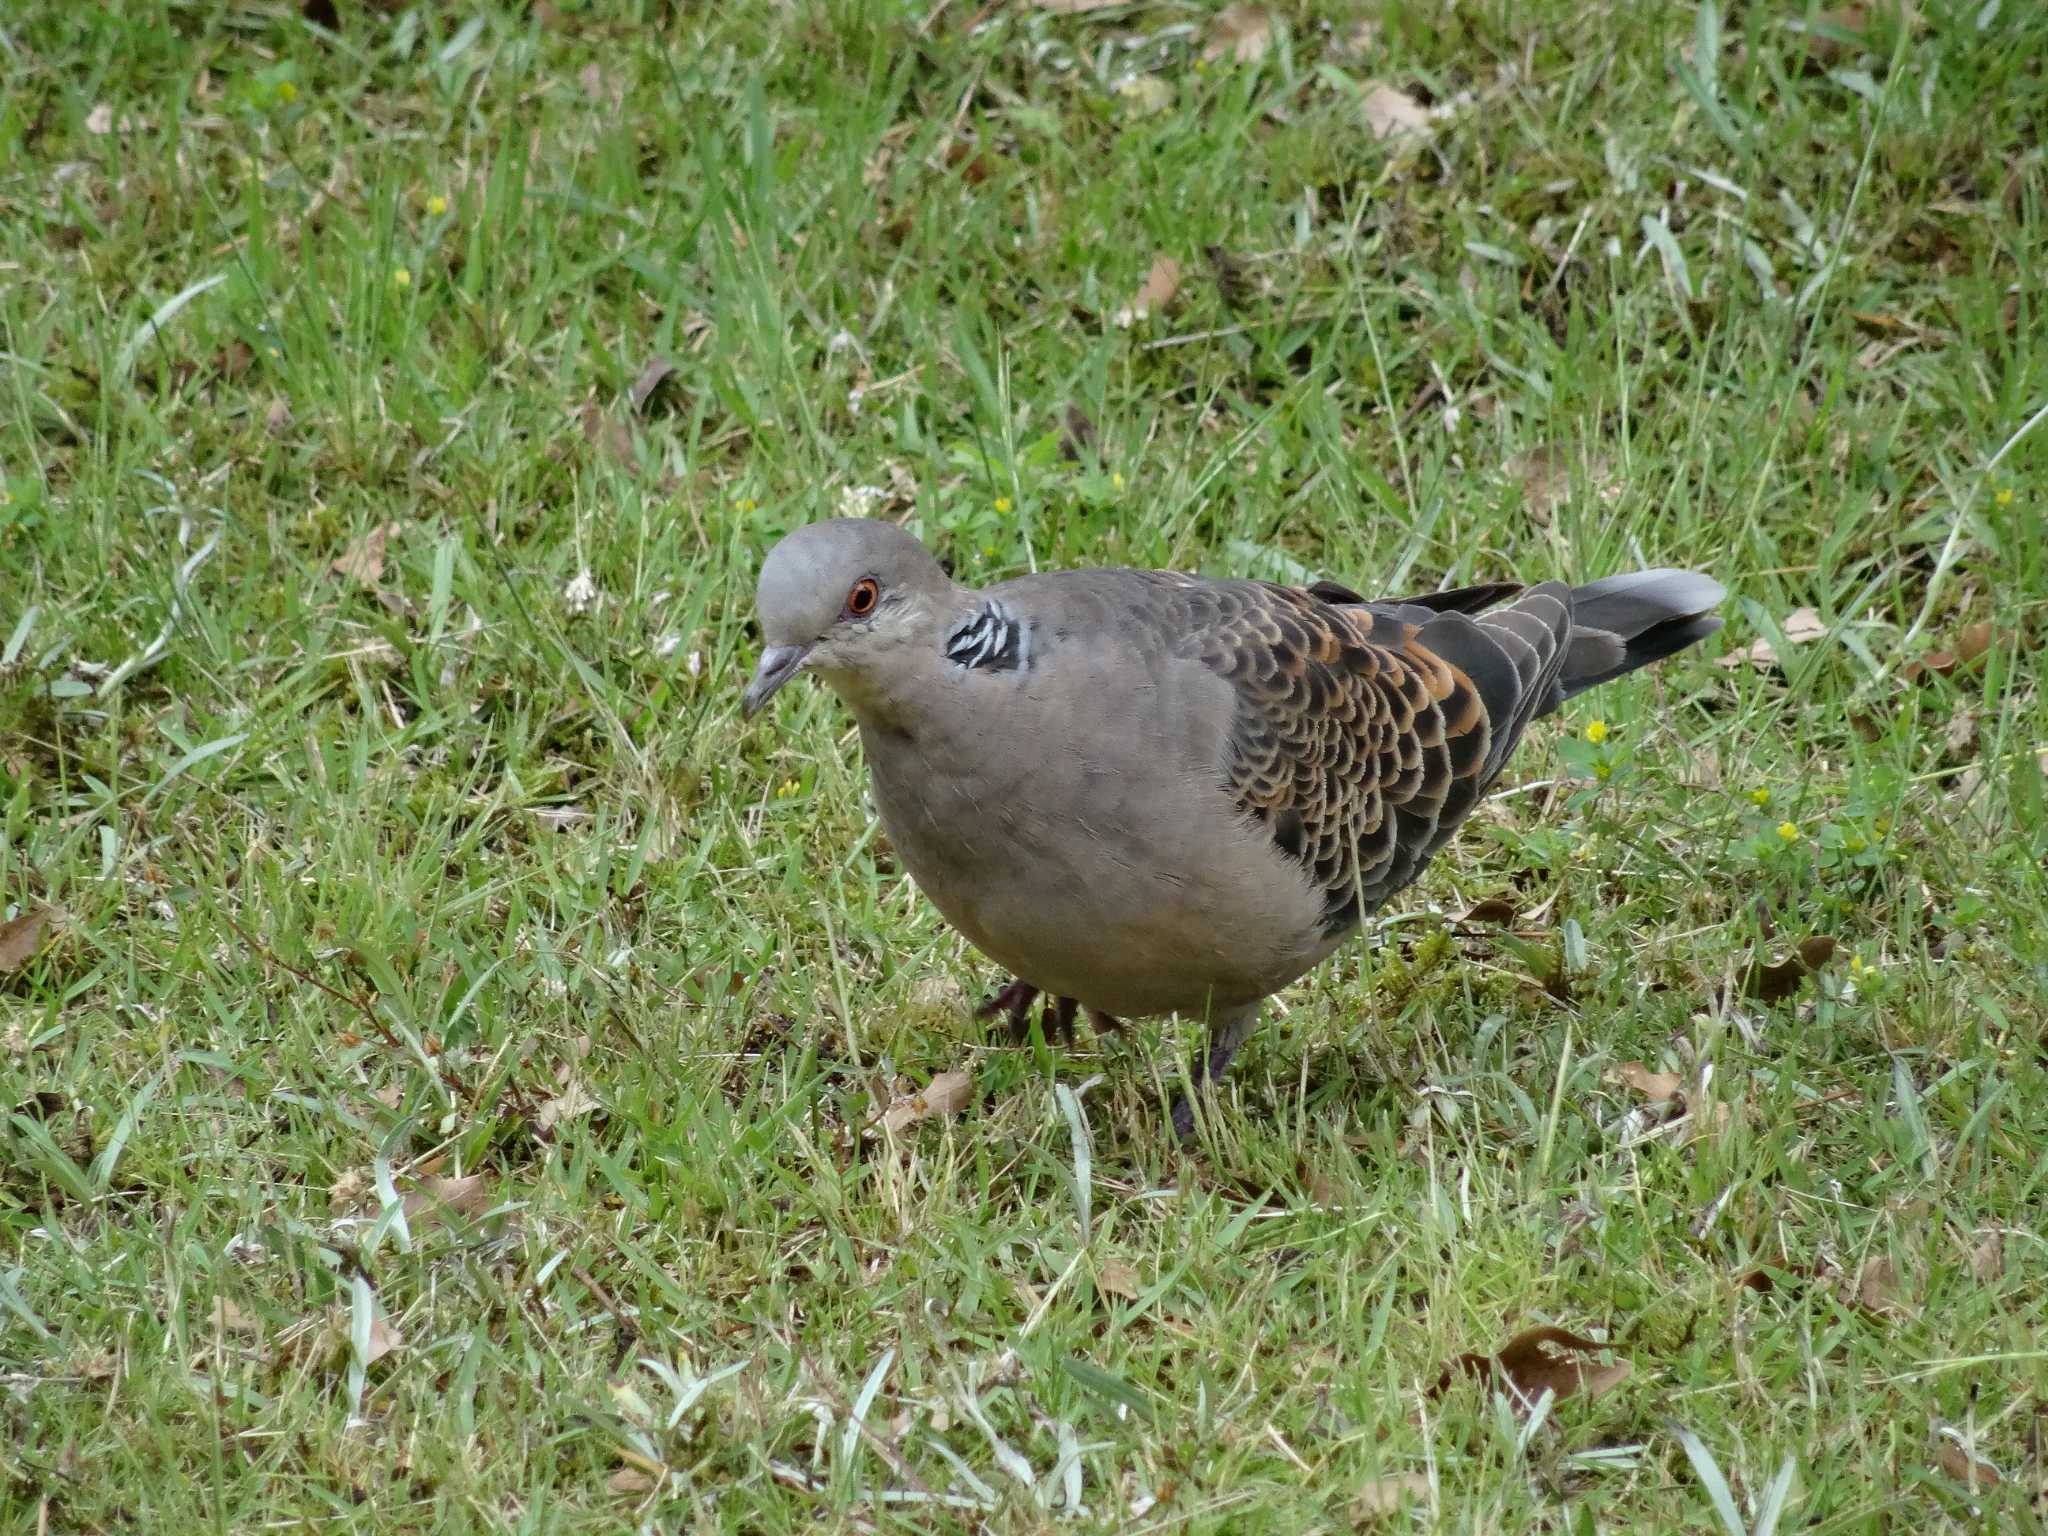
[[1624, 622]]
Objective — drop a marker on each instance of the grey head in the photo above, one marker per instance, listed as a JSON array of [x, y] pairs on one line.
[[846, 599]]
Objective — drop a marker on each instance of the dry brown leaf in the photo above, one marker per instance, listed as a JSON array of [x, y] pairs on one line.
[[648, 385], [1968, 648], [1392, 113], [1241, 32], [1497, 911], [277, 417], [1655, 1086], [1803, 626], [465, 1197], [946, 1095], [1758, 653], [229, 1318], [21, 936], [1385, 1494], [1778, 980], [1530, 1366], [1965, 1468], [1116, 1278], [1544, 474], [1987, 1259], [1831, 49], [1161, 283], [384, 1338], [1876, 1289], [610, 437], [570, 1103], [629, 1480], [363, 561]]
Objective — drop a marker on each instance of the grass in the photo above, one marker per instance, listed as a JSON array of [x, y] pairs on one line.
[[454, 863]]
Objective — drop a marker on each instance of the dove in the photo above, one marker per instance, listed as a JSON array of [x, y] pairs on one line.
[[1145, 793]]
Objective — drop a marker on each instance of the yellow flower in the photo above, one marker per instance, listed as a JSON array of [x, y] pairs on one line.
[[2004, 496], [1856, 965], [785, 789], [1761, 795], [1596, 731], [1788, 831], [400, 278], [437, 205], [287, 92], [1116, 480], [748, 504], [1003, 505]]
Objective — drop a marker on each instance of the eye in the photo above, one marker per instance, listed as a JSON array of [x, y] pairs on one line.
[[862, 597]]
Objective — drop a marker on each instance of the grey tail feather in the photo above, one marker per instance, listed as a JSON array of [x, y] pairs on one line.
[[1628, 621]]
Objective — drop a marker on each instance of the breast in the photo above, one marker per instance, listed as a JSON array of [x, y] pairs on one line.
[[1082, 836]]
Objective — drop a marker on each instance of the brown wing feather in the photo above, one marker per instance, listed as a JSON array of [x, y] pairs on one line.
[[1366, 733]]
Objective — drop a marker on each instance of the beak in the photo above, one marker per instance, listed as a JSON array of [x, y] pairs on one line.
[[779, 663]]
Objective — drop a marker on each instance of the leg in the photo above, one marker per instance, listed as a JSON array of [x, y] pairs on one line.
[[1013, 1002], [1227, 1031]]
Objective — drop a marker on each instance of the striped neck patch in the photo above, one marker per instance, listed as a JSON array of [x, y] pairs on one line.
[[992, 638]]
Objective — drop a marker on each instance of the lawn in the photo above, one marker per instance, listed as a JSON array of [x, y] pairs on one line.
[[458, 1077]]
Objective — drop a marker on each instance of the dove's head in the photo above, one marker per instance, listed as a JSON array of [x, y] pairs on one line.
[[851, 600]]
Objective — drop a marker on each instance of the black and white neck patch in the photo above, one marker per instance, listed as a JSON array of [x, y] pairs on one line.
[[992, 638]]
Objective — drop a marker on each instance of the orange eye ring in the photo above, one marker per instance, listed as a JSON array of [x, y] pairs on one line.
[[862, 597]]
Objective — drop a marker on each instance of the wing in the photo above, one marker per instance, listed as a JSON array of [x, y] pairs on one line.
[[1365, 733]]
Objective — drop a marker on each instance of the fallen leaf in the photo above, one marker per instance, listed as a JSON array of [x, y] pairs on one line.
[[1758, 653], [648, 385], [1655, 1086], [465, 1197], [277, 417], [1078, 437], [1161, 283], [1496, 911], [610, 437], [1531, 1367], [1778, 980], [1116, 1278], [1965, 1468], [1757, 1280], [569, 1104], [947, 1094], [1968, 647], [363, 561], [1241, 32], [1385, 1494], [1834, 35], [1876, 1289], [1544, 474], [229, 1318], [384, 1338], [1803, 626], [1392, 113], [1987, 1259], [628, 1480], [20, 937]]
